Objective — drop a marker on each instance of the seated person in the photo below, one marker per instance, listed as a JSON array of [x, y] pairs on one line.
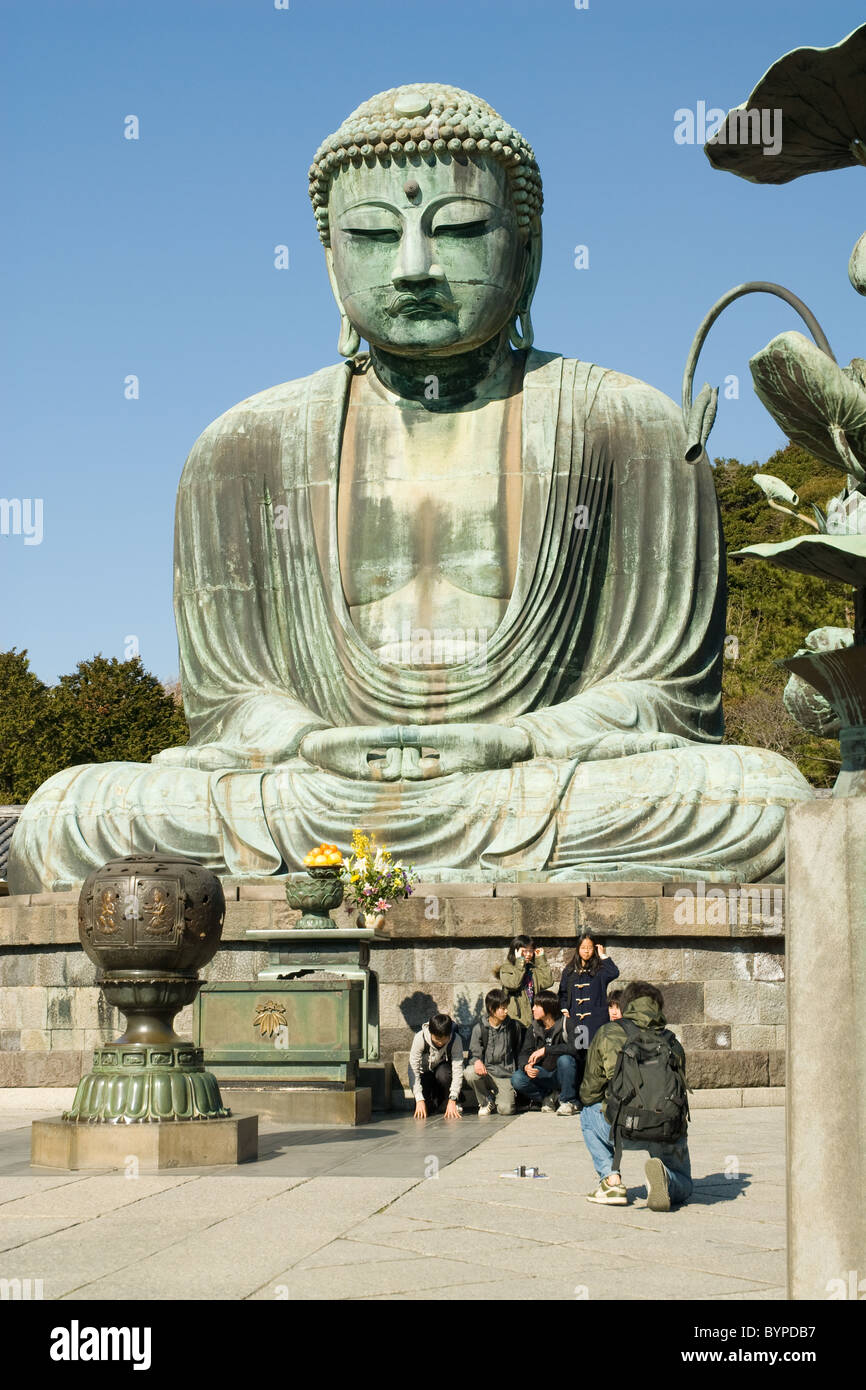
[[668, 1170], [494, 1049], [436, 1068], [548, 1058]]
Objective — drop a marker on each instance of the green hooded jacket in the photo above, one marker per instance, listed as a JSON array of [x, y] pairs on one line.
[[511, 978], [608, 1044]]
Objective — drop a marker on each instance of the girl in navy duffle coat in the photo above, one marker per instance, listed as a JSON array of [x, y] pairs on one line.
[[584, 984]]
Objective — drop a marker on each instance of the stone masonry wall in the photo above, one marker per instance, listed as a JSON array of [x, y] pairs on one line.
[[718, 959]]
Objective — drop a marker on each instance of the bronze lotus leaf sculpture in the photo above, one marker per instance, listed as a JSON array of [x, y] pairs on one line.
[[821, 95], [857, 265], [818, 404], [801, 699]]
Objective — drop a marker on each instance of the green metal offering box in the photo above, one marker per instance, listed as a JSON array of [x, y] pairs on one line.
[[308, 1032]]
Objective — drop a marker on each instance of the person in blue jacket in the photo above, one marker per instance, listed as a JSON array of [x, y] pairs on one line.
[[583, 989]]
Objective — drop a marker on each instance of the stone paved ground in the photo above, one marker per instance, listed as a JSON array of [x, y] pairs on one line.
[[353, 1214]]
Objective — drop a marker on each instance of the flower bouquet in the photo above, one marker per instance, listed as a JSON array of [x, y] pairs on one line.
[[373, 881]]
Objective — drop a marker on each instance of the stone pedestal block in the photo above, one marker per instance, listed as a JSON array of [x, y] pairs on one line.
[[379, 1077], [303, 1105], [171, 1144], [826, 1071]]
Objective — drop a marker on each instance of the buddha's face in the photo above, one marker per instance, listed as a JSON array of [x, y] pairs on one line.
[[426, 257]]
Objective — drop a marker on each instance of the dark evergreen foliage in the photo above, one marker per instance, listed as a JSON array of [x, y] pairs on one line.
[[770, 611], [105, 711]]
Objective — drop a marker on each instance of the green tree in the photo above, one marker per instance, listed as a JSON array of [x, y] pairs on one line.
[[114, 711], [26, 729], [105, 711], [771, 610]]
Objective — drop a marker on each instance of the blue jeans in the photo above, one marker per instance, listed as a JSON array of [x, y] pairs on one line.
[[536, 1088], [675, 1157]]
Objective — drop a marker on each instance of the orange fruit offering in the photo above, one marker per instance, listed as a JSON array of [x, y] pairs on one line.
[[323, 856]]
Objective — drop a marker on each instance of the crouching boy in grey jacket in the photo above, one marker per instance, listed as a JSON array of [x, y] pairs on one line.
[[436, 1068], [492, 1060]]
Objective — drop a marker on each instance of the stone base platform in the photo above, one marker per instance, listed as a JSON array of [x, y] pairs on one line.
[[306, 1105], [716, 951], [66, 1144]]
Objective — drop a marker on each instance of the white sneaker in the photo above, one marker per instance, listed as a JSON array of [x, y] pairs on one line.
[[548, 1106], [567, 1107], [485, 1109]]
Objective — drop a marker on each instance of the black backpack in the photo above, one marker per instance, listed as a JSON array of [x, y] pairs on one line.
[[646, 1100]]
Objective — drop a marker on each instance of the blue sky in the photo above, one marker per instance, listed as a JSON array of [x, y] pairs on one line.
[[155, 257]]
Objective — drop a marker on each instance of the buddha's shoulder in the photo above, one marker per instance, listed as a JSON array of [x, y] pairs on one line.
[[614, 393], [262, 419]]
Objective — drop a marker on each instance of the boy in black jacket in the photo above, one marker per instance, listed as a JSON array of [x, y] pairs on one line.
[[549, 1058]]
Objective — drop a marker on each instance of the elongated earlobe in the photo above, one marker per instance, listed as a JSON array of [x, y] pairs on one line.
[[520, 330], [349, 341], [522, 337]]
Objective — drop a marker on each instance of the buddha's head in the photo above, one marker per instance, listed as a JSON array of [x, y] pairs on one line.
[[429, 208]]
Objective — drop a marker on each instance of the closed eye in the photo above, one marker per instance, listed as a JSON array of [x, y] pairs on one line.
[[461, 229], [373, 233]]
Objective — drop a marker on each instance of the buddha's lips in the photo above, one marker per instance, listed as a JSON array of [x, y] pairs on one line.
[[407, 303]]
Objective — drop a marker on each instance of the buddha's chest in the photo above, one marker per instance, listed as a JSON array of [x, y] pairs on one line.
[[428, 504]]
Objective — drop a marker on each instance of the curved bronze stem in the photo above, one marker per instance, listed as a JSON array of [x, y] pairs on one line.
[[699, 416], [788, 512]]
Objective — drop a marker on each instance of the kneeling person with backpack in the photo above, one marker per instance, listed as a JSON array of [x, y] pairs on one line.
[[634, 1097]]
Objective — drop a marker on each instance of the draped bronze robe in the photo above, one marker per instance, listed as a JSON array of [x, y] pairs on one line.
[[608, 655]]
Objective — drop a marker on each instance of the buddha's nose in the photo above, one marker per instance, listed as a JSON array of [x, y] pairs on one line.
[[415, 261]]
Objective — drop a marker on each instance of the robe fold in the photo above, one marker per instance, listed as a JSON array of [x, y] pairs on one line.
[[608, 655]]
